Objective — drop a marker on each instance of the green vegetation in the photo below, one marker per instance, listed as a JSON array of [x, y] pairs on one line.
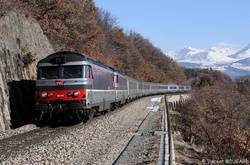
[[29, 58]]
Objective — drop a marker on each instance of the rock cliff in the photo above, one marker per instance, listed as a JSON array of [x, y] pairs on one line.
[[21, 42]]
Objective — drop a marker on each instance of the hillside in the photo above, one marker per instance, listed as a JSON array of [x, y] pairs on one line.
[[80, 26], [216, 118], [20, 40]]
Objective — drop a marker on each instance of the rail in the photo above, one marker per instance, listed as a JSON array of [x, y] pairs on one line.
[[170, 138], [16, 142], [166, 154]]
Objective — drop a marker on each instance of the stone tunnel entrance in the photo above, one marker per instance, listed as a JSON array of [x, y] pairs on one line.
[[22, 102]]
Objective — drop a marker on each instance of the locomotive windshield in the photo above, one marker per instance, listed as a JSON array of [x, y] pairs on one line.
[[72, 72], [64, 72], [48, 73]]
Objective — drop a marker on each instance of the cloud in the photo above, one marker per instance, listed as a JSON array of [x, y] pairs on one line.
[[228, 45]]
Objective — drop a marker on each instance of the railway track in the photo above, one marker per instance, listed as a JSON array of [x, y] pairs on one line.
[[16, 142], [159, 134], [137, 149], [101, 140]]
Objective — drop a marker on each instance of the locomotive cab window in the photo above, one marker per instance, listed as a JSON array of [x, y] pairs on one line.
[[72, 72], [60, 72], [48, 73]]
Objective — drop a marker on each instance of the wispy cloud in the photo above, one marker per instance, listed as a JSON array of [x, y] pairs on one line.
[[229, 45]]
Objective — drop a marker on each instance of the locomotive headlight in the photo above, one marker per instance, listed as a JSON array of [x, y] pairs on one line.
[[69, 94], [76, 94], [44, 94], [49, 94]]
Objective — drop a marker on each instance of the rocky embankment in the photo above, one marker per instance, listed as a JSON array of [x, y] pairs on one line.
[[21, 40]]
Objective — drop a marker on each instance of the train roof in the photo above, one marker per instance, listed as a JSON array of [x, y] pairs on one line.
[[67, 56], [117, 71]]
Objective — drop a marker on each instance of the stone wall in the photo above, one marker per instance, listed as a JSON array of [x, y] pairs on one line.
[[19, 36]]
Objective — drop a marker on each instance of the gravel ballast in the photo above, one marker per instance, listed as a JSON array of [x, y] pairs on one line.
[[99, 141], [17, 131]]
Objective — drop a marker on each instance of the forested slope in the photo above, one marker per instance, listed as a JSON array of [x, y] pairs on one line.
[[217, 116], [78, 25]]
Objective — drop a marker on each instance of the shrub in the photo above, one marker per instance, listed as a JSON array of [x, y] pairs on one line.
[[29, 58]]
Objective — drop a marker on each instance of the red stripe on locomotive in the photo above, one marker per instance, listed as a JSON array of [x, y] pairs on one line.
[[66, 95]]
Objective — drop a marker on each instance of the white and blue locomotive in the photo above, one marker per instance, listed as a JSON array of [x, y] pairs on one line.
[[74, 85]]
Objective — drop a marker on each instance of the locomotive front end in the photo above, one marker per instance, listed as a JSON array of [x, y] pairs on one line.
[[61, 88]]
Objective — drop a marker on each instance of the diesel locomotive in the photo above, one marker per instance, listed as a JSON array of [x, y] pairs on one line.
[[75, 86]]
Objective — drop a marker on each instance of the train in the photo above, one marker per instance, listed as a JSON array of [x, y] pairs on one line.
[[75, 86]]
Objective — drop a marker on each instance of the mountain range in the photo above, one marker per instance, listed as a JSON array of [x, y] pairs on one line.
[[231, 61]]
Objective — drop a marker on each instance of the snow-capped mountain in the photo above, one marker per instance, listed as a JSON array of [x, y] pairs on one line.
[[242, 53], [231, 61]]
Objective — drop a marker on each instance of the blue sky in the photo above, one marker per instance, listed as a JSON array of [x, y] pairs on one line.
[[172, 24]]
